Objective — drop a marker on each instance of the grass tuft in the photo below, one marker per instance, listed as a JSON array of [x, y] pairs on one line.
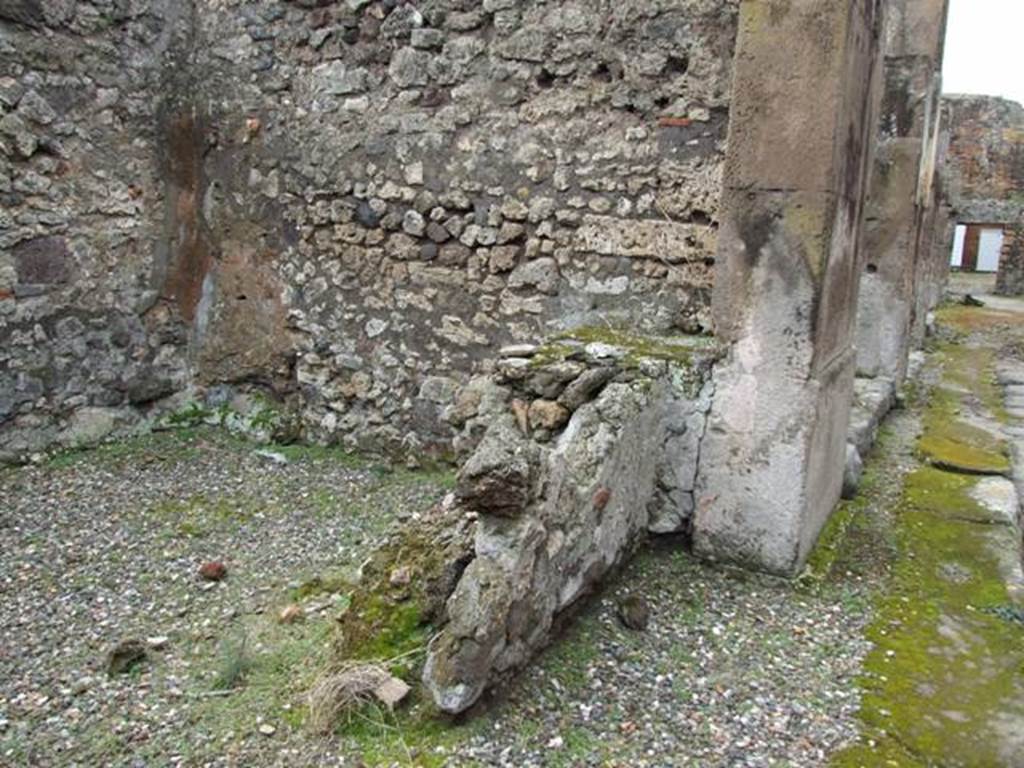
[[234, 664]]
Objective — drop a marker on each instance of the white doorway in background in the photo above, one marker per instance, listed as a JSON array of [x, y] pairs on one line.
[[990, 245], [958, 245]]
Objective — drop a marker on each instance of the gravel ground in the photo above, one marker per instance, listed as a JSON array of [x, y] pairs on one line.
[[734, 669], [104, 546]]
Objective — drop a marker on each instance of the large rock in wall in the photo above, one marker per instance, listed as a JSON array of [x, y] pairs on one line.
[[84, 345], [590, 446], [429, 181]]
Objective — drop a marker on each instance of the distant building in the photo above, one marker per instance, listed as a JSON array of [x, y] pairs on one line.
[[984, 178]]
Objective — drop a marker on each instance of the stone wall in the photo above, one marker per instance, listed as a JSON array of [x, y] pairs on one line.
[[422, 183], [984, 175], [345, 205], [1010, 279], [86, 340]]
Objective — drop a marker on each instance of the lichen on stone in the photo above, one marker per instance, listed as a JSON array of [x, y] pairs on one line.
[[402, 589]]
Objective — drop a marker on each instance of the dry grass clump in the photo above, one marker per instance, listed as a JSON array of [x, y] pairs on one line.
[[341, 694]]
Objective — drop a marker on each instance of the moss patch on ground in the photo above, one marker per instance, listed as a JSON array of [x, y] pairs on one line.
[[945, 679], [951, 443], [186, 443], [971, 368], [834, 538], [182, 444], [413, 736], [942, 667], [965, 319], [854, 542]]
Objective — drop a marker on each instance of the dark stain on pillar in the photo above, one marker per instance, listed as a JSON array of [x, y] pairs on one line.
[[755, 227], [898, 103]]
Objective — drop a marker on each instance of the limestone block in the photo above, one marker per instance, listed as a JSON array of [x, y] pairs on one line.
[[497, 479], [649, 238]]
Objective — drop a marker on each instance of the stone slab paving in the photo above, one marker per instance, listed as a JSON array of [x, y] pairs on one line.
[[944, 685]]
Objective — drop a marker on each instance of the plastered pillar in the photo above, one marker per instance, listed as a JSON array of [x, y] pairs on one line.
[[802, 125], [901, 200]]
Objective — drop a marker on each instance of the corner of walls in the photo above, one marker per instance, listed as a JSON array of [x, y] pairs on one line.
[[84, 356]]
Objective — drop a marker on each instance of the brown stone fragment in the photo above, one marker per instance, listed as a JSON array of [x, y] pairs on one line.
[[391, 691], [521, 411], [634, 613], [291, 614], [547, 414], [213, 571]]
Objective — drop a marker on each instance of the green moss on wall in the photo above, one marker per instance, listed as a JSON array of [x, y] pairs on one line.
[[687, 356]]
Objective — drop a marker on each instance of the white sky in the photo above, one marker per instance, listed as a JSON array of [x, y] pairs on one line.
[[985, 48]]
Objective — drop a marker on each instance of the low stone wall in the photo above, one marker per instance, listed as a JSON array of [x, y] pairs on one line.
[[595, 445], [591, 442]]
